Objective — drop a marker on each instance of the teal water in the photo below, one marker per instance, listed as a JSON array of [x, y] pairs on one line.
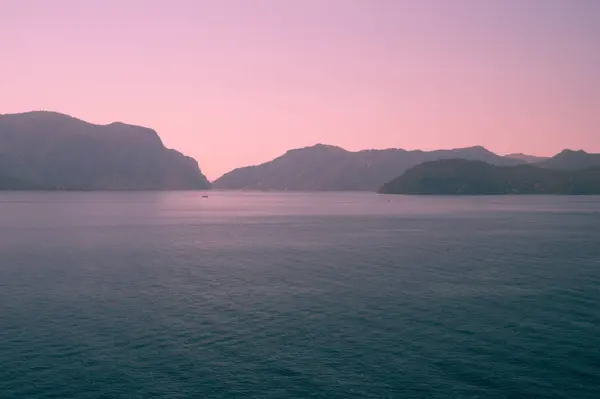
[[242, 295]]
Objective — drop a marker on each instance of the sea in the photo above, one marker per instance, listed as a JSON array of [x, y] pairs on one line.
[[298, 295]]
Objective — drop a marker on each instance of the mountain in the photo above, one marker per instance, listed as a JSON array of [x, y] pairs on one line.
[[324, 167], [526, 158], [48, 151], [463, 177], [571, 160]]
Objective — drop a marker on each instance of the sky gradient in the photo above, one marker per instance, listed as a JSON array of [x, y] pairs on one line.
[[238, 82]]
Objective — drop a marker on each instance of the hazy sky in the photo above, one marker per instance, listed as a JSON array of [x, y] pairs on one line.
[[237, 82]]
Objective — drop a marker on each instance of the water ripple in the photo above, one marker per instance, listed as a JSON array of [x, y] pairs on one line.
[[298, 296]]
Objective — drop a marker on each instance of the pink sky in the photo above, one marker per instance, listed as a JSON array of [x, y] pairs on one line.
[[238, 82]]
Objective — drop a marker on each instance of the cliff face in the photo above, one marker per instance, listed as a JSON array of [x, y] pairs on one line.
[[46, 150]]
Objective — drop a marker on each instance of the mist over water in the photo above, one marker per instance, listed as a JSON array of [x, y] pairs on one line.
[[298, 295]]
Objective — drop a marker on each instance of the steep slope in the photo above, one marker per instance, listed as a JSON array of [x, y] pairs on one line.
[[324, 167], [47, 150], [571, 160], [462, 177]]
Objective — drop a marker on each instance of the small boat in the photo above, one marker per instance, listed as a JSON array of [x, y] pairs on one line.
[[205, 196]]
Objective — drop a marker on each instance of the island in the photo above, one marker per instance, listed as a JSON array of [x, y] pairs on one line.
[[465, 177]]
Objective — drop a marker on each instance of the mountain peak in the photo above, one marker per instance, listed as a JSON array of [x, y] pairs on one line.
[[40, 115], [476, 149], [41, 112], [319, 148], [53, 116], [571, 152], [322, 146], [572, 159], [56, 122]]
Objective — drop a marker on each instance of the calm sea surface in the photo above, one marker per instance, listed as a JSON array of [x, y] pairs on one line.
[[264, 295]]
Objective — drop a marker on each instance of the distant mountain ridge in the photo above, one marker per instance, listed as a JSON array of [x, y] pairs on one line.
[[53, 151], [526, 158], [463, 177], [571, 160], [325, 167]]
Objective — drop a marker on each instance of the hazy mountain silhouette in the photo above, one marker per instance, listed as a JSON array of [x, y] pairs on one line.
[[48, 150], [462, 177], [325, 167], [526, 158], [569, 159]]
